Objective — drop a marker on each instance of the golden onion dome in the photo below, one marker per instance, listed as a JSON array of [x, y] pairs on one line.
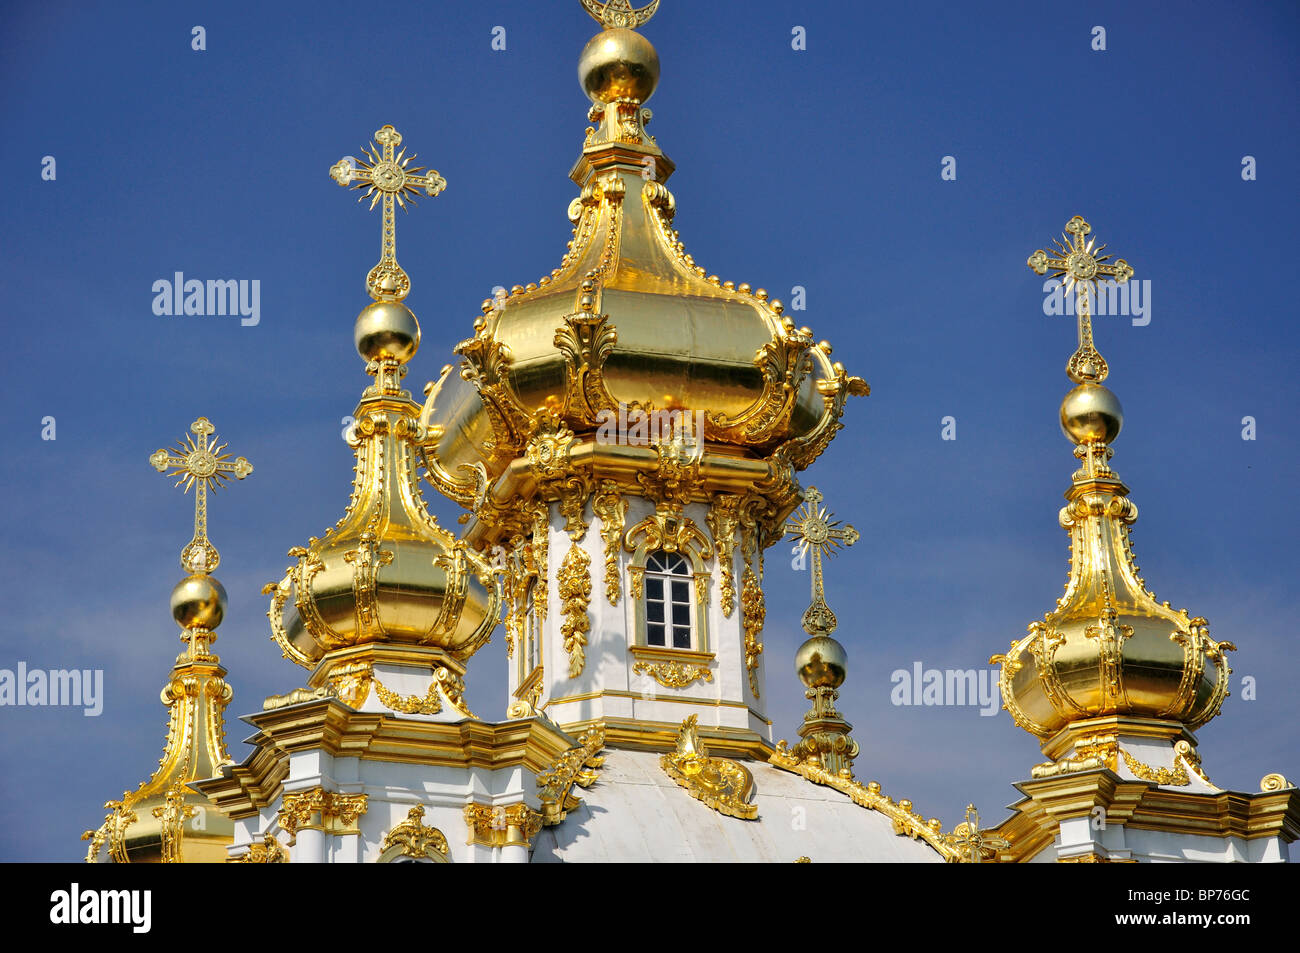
[[629, 323], [1108, 648], [385, 572]]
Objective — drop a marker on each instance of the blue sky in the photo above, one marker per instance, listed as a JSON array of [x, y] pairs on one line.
[[818, 168]]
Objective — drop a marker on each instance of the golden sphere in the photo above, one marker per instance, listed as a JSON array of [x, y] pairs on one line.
[[618, 64], [821, 662], [387, 330], [198, 602], [1091, 414]]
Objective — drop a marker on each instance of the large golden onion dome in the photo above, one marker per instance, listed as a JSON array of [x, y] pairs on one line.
[[386, 572], [629, 324], [1109, 648]]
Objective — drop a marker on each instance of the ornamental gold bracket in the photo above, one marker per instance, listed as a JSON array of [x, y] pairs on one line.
[[784, 363], [723, 785], [610, 508], [384, 175], [723, 520], [577, 765], [1078, 262], [200, 464]]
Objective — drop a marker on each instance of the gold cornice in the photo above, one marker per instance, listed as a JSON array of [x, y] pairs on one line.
[[1143, 806], [637, 735]]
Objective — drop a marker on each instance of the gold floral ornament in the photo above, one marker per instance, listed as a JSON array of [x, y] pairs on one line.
[[723, 785], [574, 582], [1078, 262], [200, 464], [388, 176]]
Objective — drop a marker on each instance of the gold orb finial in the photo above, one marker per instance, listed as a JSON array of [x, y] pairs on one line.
[[618, 65], [821, 662], [198, 602], [1091, 413]]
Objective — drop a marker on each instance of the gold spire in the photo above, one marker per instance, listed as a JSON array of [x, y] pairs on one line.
[[200, 464], [162, 820], [387, 175], [1109, 659], [821, 661]]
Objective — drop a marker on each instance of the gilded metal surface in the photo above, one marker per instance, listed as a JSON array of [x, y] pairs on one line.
[[1274, 782], [724, 521], [577, 765], [387, 176], [1108, 647], [725, 786], [905, 819], [619, 13], [574, 582], [413, 838]]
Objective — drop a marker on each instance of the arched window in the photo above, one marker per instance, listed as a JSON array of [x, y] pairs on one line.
[[669, 601]]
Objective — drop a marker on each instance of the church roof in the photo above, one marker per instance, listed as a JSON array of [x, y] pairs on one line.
[[636, 813]]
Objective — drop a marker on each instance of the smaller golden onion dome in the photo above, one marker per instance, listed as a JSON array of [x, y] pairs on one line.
[[198, 602], [821, 662], [1091, 413], [619, 64], [1108, 648]]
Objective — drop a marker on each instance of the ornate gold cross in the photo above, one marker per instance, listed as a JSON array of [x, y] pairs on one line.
[[200, 464], [387, 175], [972, 842], [619, 13], [1079, 263], [817, 532]]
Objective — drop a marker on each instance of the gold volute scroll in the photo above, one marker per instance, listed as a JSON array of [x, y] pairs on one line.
[[723, 785]]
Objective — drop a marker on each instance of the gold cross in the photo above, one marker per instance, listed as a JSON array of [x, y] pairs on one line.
[[619, 13], [972, 842], [1078, 264], [200, 464], [818, 532], [390, 177]]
